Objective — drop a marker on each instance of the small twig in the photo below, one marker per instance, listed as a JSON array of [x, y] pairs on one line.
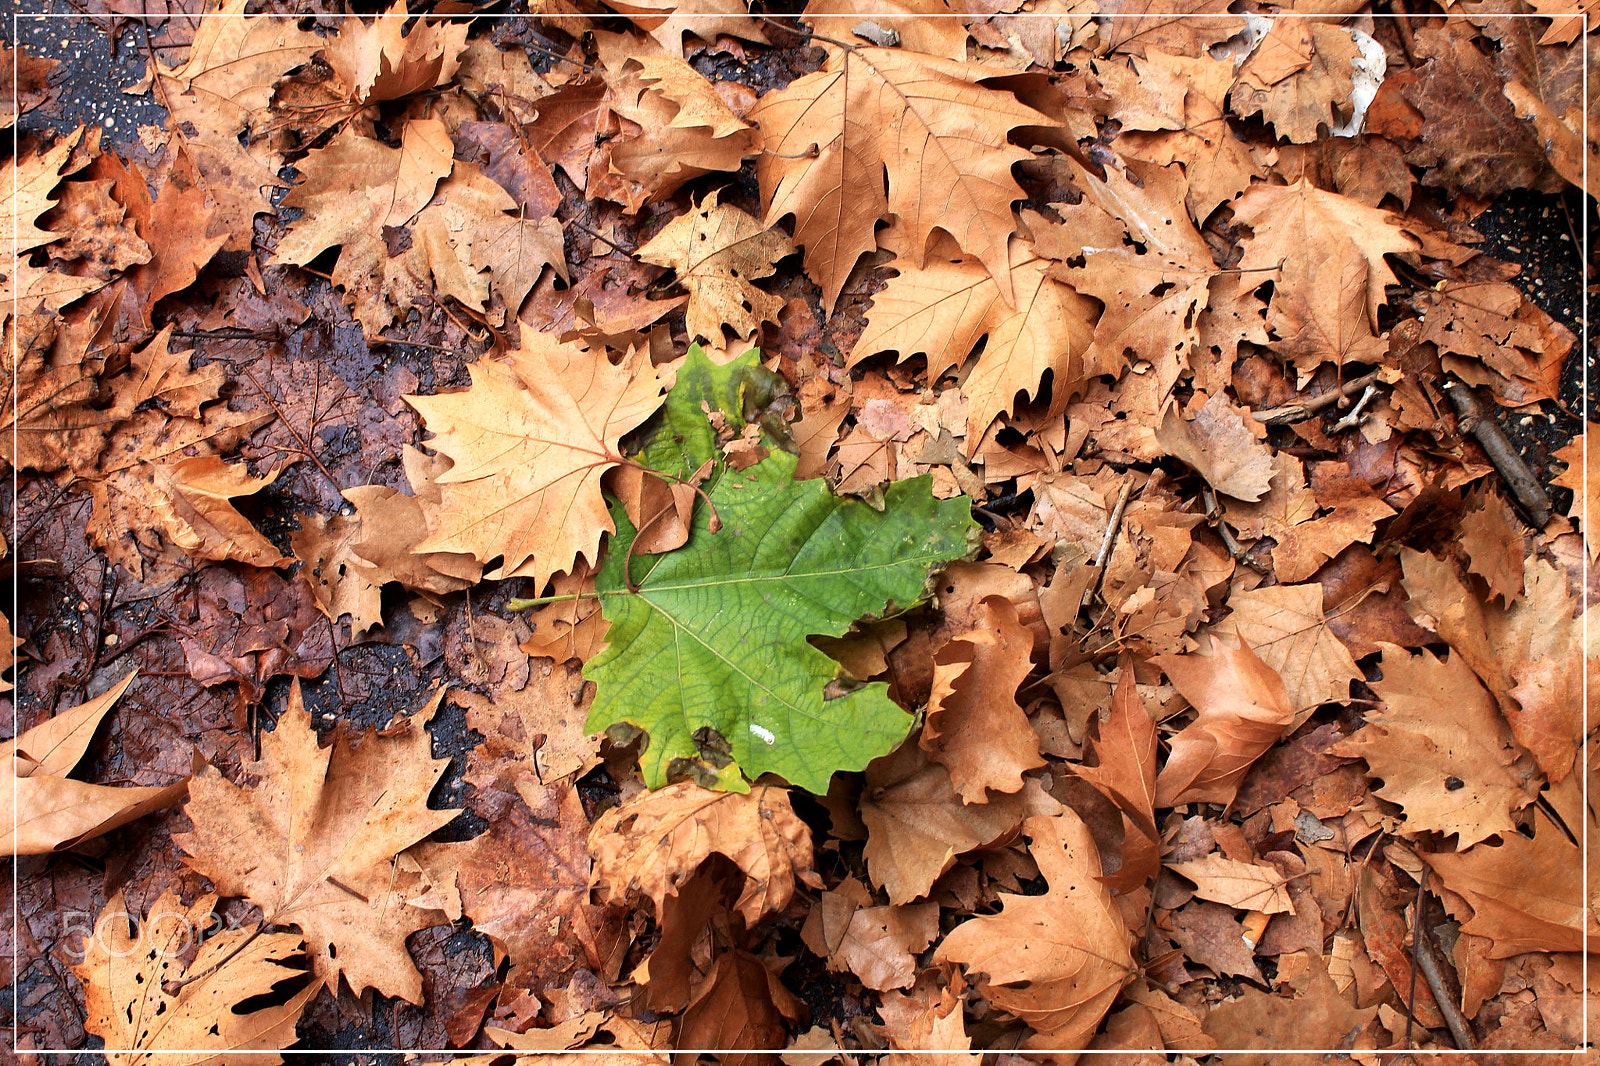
[[603, 240], [1402, 26], [1416, 955], [808, 34], [1473, 418], [1304, 409], [1109, 541], [1425, 960], [1355, 417], [1217, 517], [588, 68]]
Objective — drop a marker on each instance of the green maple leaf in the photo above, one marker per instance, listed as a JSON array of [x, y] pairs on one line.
[[714, 638]]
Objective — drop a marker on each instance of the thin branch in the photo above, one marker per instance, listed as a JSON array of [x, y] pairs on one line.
[[1428, 963], [1475, 419], [1301, 410]]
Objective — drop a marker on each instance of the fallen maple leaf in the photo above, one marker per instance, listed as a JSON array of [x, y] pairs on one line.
[[828, 137], [1442, 749], [916, 824], [313, 843], [1325, 253], [381, 60], [334, 571], [393, 524], [1470, 136], [48, 811], [1316, 1016], [657, 840], [1143, 259], [717, 251], [222, 91], [1285, 627], [1242, 710], [1126, 747], [152, 1002], [732, 610], [1058, 960], [1300, 76], [877, 944], [944, 309], [1217, 441], [1526, 653], [188, 503], [529, 441], [1528, 895]]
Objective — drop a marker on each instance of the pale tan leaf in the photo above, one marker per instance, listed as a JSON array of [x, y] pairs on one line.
[[313, 843], [1244, 886]]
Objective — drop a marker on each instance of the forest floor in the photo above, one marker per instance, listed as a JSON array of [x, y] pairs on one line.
[[1240, 633]]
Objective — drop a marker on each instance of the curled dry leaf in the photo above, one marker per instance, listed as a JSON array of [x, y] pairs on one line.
[[656, 841], [945, 308], [48, 811], [877, 944], [1286, 628], [1528, 895], [718, 250], [151, 1007], [1056, 961], [314, 841], [917, 825], [1241, 711], [1220, 446], [1126, 748]]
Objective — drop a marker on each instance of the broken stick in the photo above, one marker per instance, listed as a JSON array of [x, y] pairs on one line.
[[1477, 420], [1304, 409]]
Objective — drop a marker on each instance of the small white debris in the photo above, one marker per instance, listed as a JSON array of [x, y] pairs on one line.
[[763, 732]]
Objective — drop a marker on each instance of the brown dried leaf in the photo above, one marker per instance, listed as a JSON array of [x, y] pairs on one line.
[[1527, 895], [1243, 886], [149, 1005], [313, 843], [944, 309], [917, 825], [1441, 748], [974, 726], [717, 251], [655, 841], [336, 574], [939, 134], [1242, 711], [1286, 628], [1056, 961], [1219, 444], [530, 442], [1527, 654], [1327, 251]]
